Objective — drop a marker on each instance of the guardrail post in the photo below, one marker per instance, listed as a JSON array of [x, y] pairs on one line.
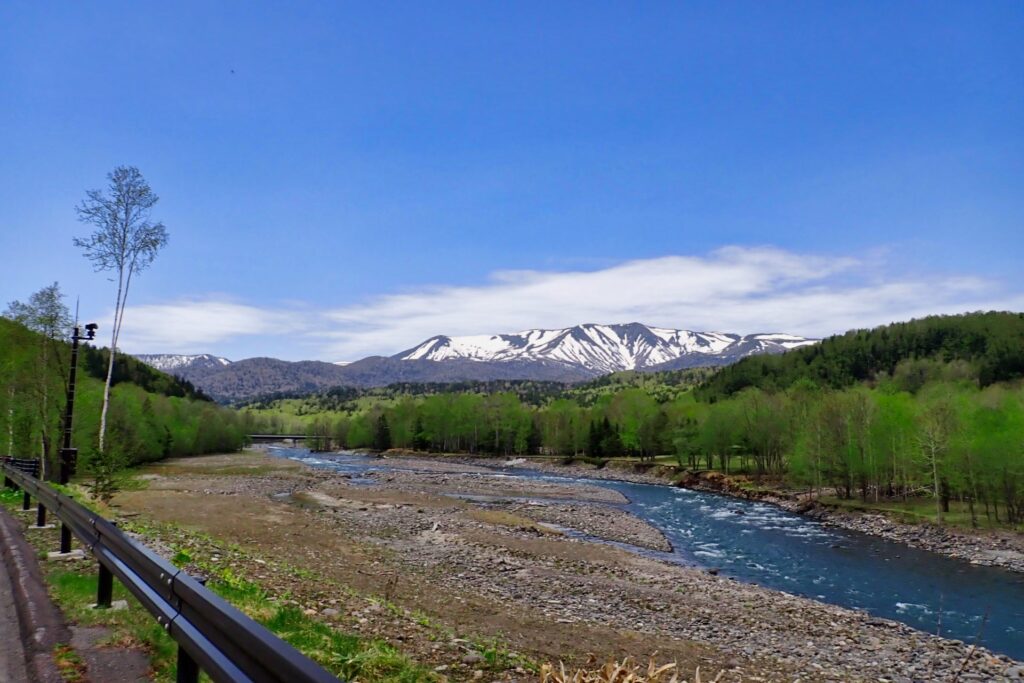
[[26, 502], [188, 670], [104, 588], [65, 538], [40, 515]]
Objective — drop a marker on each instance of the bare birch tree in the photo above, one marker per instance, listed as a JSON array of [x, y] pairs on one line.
[[936, 429], [125, 241]]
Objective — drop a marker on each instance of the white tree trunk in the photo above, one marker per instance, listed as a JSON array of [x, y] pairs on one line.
[[10, 422], [106, 396], [118, 313]]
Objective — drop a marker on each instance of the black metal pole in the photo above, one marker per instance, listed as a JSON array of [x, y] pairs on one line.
[[104, 588], [41, 515], [66, 451], [26, 502], [69, 413], [188, 670]]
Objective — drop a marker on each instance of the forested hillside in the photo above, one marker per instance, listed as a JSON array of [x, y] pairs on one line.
[[661, 385], [152, 415], [988, 346]]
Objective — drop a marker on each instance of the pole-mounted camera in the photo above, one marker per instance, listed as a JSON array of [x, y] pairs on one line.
[[69, 455]]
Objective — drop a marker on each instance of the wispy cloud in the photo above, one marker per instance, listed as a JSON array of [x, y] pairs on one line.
[[735, 289], [203, 324]]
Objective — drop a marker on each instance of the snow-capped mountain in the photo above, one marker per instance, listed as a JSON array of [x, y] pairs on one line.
[[602, 349], [574, 354], [177, 364]]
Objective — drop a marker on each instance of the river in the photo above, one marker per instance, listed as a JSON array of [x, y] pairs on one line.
[[762, 544]]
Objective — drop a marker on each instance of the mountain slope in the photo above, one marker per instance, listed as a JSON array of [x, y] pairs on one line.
[[601, 349], [178, 364], [573, 354]]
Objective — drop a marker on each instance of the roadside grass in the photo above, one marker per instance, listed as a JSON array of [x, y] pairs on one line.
[[10, 498], [73, 588], [377, 660], [347, 656]]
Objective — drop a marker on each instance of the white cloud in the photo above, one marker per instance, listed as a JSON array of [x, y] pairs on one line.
[[187, 325], [734, 289]]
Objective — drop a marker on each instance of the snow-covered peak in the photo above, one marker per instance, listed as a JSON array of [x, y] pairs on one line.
[[173, 363], [603, 348]]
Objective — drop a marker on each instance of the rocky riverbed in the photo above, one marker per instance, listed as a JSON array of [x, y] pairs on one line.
[[1003, 549], [500, 567]]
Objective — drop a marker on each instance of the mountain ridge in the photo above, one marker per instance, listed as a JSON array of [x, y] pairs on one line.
[[604, 348], [572, 354]]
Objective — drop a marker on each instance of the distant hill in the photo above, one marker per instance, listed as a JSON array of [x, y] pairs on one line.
[[255, 377], [93, 361], [991, 344], [571, 355]]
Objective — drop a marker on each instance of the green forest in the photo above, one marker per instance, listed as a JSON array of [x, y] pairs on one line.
[[152, 415], [929, 408]]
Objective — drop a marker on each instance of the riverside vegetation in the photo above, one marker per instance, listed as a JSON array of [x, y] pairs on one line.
[[924, 413], [151, 415]]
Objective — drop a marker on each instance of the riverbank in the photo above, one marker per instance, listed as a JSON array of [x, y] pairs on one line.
[[450, 574], [1004, 549]]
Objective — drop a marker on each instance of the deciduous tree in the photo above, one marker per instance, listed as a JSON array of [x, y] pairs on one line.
[[125, 242]]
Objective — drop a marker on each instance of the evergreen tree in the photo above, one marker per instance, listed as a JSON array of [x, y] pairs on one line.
[[420, 441], [382, 437]]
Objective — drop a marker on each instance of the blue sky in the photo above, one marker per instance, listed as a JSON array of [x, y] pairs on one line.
[[341, 180]]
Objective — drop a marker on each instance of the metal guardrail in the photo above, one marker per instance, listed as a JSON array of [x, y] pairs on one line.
[[31, 468], [212, 635]]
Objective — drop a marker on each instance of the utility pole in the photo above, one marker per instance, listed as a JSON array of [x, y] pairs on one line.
[[69, 455]]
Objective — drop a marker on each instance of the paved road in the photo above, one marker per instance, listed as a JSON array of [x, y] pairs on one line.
[[12, 657]]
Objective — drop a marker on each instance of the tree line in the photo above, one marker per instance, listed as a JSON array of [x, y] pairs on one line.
[[932, 407], [141, 425], [947, 437]]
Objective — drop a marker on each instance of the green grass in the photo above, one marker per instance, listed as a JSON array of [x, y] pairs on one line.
[[10, 498], [73, 589], [499, 658], [918, 510]]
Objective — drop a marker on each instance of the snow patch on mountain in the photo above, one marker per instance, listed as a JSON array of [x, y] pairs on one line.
[[173, 363], [605, 348]]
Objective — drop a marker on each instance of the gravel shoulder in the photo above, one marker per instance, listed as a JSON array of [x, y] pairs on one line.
[[501, 568]]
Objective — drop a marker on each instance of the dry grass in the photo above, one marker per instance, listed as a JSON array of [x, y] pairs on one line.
[[625, 671], [501, 518]]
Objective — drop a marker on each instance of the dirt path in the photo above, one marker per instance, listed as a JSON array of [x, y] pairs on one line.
[[458, 577]]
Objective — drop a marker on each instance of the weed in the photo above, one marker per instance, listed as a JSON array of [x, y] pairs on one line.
[[69, 664], [618, 672]]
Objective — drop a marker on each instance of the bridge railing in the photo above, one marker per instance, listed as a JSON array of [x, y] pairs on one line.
[[212, 635]]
